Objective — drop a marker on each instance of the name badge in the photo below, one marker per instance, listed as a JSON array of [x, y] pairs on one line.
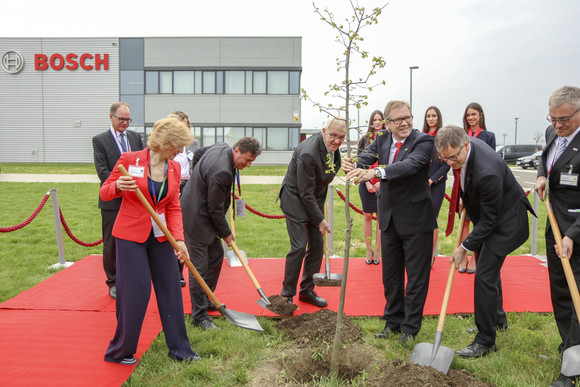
[[136, 170], [156, 229], [569, 179]]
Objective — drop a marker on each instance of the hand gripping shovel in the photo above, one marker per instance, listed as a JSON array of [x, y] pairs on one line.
[[571, 356], [434, 355], [243, 320], [327, 278]]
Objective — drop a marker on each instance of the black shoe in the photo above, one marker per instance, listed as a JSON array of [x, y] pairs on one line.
[[113, 292], [386, 333], [502, 327], [206, 324], [406, 337], [312, 298], [564, 381], [475, 350]]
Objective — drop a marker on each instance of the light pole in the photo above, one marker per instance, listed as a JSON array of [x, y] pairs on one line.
[[503, 149], [411, 86], [516, 130]]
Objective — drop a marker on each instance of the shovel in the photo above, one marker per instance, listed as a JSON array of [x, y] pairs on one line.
[[434, 355], [327, 275], [243, 320], [571, 356], [233, 259]]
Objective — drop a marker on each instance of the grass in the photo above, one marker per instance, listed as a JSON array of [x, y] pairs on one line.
[[527, 352]]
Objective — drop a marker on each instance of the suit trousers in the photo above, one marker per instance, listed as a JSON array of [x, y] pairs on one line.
[[208, 260], [410, 253], [487, 294], [139, 264], [306, 245], [564, 312], [108, 218]]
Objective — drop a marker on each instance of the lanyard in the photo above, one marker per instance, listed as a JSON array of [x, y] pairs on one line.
[[470, 132], [154, 195]]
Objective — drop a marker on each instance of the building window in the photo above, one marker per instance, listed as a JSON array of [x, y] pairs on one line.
[[131, 82], [235, 82], [294, 82], [260, 134], [198, 82], [152, 82], [209, 82], [259, 82], [277, 139], [277, 82], [208, 137], [183, 82], [165, 82], [249, 81], [294, 138], [233, 134]]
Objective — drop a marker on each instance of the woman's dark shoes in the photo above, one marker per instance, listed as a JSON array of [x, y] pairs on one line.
[[462, 270], [312, 298], [476, 350], [376, 261], [368, 261]]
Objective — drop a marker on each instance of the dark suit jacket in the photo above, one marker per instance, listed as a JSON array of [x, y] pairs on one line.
[[563, 197], [206, 197], [305, 185], [404, 196], [487, 137], [494, 201], [134, 222], [106, 153]]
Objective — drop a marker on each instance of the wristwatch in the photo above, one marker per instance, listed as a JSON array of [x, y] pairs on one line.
[[378, 173]]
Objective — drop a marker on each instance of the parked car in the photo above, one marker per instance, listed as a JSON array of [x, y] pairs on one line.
[[537, 162], [510, 153], [529, 161]]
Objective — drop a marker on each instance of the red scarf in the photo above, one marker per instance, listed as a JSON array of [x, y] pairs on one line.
[[471, 134]]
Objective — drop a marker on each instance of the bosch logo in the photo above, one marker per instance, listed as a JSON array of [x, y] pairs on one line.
[[71, 62], [12, 62]]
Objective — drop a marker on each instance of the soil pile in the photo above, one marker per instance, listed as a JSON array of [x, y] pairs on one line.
[[281, 306]]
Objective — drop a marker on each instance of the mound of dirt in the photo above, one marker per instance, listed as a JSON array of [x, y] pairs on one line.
[[281, 306]]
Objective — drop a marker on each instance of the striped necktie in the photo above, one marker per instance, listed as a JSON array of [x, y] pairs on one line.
[[123, 142], [561, 146]]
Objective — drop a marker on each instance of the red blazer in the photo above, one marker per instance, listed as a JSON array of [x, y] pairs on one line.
[[133, 221]]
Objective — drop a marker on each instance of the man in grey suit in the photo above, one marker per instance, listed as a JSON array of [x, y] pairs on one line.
[[204, 202], [107, 148], [302, 195], [558, 169], [406, 216], [497, 205]]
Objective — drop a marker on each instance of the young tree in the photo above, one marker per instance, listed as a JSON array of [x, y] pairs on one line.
[[351, 91]]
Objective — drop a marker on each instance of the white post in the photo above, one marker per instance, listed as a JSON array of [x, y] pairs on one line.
[[57, 226], [535, 224], [330, 220]]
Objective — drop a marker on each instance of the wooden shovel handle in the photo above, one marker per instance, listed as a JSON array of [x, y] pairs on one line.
[[245, 264], [445, 303], [565, 260], [172, 240]]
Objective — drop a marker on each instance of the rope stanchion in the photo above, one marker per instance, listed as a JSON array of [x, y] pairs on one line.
[[350, 204], [260, 213], [30, 219], [71, 236]]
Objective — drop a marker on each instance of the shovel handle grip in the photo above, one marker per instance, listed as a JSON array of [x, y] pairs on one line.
[[565, 260], [171, 240], [447, 294]]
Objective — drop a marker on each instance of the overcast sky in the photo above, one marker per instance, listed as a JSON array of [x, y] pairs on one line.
[[507, 55]]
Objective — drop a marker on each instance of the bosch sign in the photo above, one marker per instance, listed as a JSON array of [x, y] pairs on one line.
[[71, 62]]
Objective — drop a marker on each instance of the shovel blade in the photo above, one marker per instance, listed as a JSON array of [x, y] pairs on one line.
[[440, 360], [243, 320], [233, 260], [571, 361]]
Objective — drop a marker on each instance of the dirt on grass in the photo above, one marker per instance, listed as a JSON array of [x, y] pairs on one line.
[[307, 358]]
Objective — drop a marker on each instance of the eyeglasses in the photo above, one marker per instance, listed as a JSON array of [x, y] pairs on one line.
[[451, 158], [336, 137], [399, 121], [561, 120], [127, 120]]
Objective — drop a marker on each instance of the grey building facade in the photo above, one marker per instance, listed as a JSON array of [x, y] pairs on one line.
[[55, 93]]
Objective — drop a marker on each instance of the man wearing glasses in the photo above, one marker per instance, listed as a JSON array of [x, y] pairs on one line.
[[497, 206], [558, 172], [314, 164], [107, 148], [406, 216]]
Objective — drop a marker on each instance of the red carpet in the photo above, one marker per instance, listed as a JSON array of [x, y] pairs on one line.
[[56, 333]]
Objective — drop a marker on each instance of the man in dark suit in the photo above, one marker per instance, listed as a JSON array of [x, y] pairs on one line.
[[497, 205], [559, 168], [406, 216], [312, 168], [204, 202], [107, 148]]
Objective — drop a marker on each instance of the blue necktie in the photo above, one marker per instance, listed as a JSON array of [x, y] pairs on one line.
[[123, 142]]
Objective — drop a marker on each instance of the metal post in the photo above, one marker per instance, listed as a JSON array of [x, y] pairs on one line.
[[57, 226], [330, 220], [516, 130], [535, 224], [411, 87]]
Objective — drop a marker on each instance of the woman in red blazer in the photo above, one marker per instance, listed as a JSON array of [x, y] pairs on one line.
[[144, 255]]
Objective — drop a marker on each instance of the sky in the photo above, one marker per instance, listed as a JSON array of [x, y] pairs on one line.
[[509, 56]]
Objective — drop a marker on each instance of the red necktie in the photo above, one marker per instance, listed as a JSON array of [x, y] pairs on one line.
[[398, 145], [453, 202]]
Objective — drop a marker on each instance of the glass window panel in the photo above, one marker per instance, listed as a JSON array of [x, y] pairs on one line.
[[208, 136], [137, 104], [248, 132], [277, 82], [277, 139], [183, 81], [259, 82], [233, 134], [151, 82], [165, 82], [209, 82], [260, 134], [294, 82], [249, 82], [219, 134], [131, 53], [294, 136], [131, 82], [219, 82], [235, 82], [198, 82], [197, 135]]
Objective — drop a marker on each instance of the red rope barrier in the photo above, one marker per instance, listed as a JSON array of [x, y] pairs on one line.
[[350, 204], [30, 219], [70, 234], [261, 213]]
